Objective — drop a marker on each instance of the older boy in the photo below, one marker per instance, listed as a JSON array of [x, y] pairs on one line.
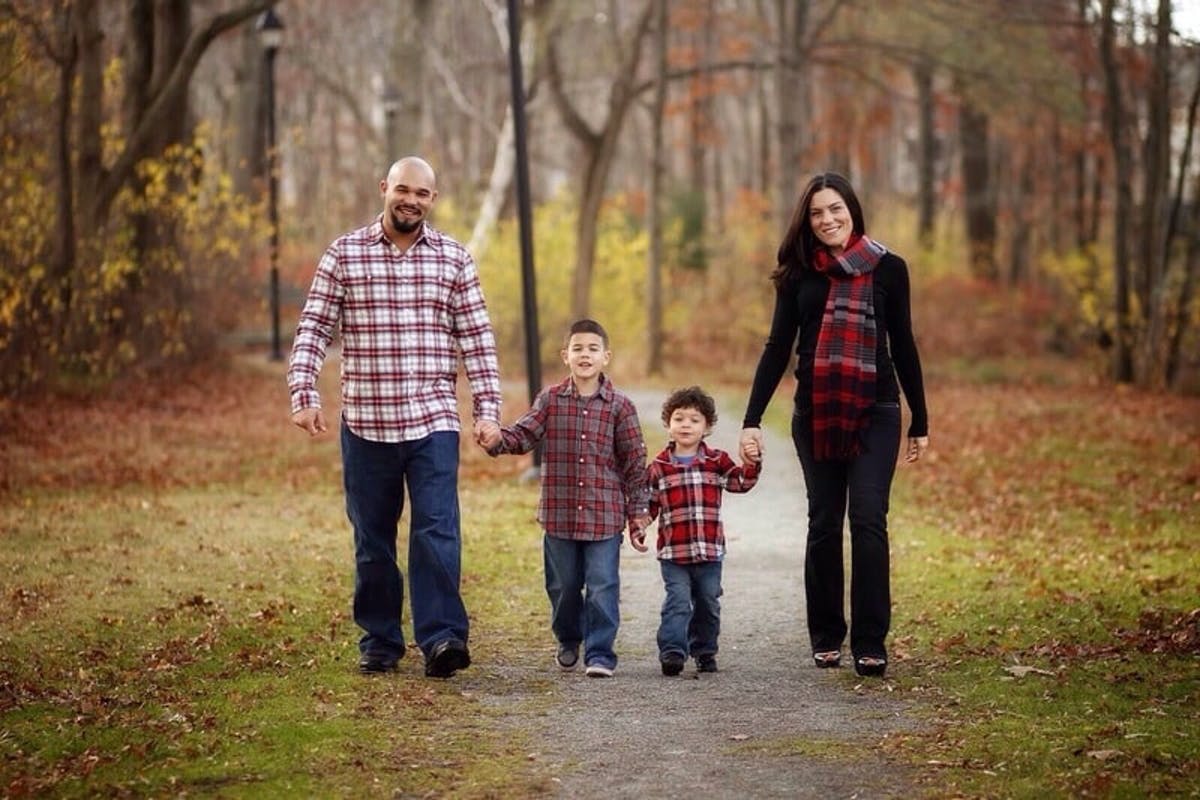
[[593, 484], [686, 482]]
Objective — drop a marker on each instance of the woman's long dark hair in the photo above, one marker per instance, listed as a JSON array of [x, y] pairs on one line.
[[800, 243]]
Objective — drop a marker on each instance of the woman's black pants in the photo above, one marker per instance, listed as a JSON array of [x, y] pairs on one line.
[[862, 485]]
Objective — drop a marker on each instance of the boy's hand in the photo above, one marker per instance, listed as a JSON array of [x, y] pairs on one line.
[[637, 538], [751, 444], [752, 456], [637, 534]]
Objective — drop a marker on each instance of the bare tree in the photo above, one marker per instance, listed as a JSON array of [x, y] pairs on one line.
[[598, 142], [1117, 126], [654, 200]]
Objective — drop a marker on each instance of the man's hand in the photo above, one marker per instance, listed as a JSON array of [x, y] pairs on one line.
[[487, 433], [311, 420]]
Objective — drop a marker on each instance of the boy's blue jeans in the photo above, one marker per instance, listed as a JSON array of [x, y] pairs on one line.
[[375, 474], [691, 611], [584, 586]]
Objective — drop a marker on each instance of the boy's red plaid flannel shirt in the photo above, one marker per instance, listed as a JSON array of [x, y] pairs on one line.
[[686, 499]]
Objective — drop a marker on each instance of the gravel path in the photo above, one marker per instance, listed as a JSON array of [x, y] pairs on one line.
[[769, 724]]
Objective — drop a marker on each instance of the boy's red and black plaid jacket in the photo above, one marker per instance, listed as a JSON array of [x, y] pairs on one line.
[[686, 499]]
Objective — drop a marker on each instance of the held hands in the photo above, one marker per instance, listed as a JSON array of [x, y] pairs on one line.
[[487, 433], [917, 445], [751, 445], [637, 533], [311, 420]]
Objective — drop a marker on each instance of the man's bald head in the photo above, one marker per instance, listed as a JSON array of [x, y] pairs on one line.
[[414, 165], [408, 192]]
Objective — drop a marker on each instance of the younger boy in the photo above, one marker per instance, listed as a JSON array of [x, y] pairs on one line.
[[686, 480], [593, 484]]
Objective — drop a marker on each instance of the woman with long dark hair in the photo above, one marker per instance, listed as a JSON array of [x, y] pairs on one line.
[[842, 305]]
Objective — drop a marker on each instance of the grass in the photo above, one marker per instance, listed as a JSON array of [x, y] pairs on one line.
[[195, 639], [171, 625]]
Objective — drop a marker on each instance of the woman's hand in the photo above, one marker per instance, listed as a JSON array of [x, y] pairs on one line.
[[917, 445], [751, 445]]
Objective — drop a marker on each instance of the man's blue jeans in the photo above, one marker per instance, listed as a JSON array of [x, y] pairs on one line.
[[691, 611], [375, 475], [861, 486], [584, 586]]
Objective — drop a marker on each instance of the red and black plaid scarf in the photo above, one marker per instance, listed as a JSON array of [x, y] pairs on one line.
[[844, 365]]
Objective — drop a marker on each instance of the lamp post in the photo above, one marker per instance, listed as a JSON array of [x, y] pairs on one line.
[[533, 362], [270, 35], [391, 100]]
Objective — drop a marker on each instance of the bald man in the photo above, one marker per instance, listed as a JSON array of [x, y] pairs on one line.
[[410, 306]]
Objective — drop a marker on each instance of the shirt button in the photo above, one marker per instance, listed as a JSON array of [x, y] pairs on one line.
[[581, 461], [583, 436], [579, 508]]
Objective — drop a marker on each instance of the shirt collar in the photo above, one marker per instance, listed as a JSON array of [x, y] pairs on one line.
[[704, 453], [604, 391]]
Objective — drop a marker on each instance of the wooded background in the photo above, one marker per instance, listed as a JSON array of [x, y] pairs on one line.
[[1023, 148]]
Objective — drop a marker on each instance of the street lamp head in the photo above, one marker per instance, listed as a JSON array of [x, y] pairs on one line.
[[270, 30]]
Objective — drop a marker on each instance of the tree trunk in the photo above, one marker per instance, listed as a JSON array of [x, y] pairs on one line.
[[1118, 134], [701, 121], [1021, 238], [599, 147], [89, 166], [407, 79], [973, 127], [1082, 230], [503, 166], [654, 225], [1154, 287], [763, 103], [64, 229], [927, 151], [250, 166], [1179, 318], [791, 101]]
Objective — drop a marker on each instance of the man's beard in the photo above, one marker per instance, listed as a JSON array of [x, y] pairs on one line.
[[405, 225]]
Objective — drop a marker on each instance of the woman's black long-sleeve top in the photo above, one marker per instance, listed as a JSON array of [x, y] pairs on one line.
[[799, 306]]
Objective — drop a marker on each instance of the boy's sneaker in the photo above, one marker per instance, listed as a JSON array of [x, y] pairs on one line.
[[706, 663], [567, 657], [672, 663], [598, 671]]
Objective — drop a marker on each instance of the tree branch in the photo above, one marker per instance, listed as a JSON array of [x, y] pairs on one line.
[[163, 102]]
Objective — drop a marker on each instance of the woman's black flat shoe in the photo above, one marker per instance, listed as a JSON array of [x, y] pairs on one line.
[[827, 659], [870, 666]]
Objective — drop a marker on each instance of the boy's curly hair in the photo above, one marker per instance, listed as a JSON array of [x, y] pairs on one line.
[[691, 397]]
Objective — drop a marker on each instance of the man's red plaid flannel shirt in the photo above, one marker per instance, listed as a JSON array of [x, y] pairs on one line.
[[405, 319], [593, 460], [686, 499]]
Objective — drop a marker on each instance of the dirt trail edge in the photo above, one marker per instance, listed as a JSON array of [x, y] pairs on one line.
[[768, 725]]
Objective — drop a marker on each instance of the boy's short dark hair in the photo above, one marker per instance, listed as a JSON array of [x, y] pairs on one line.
[[587, 326], [691, 397]]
